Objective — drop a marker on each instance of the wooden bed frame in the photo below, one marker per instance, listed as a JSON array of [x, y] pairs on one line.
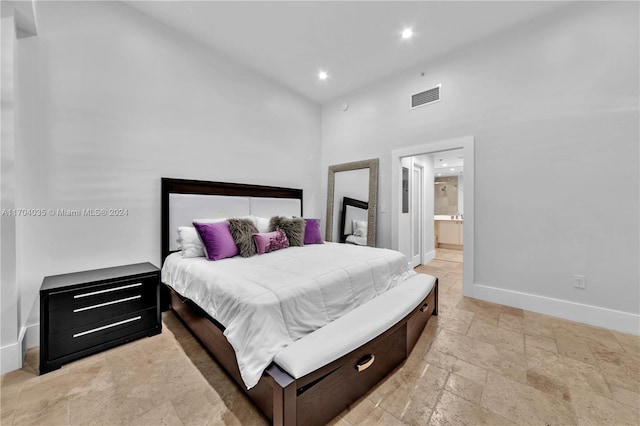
[[322, 394]]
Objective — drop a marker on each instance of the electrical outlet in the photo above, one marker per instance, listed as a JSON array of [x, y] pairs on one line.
[[579, 281]]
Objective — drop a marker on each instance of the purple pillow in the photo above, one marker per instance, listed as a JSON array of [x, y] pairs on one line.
[[312, 233], [217, 240], [271, 241]]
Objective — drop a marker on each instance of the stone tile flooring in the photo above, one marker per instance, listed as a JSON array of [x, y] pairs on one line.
[[476, 363], [450, 255]]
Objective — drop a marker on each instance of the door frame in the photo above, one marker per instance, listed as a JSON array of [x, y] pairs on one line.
[[417, 188], [466, 143]]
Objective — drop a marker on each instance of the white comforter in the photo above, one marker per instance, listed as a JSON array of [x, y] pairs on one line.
[[266, 302]]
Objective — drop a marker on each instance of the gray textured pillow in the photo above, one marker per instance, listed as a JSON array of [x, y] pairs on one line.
[[242, 231], [293, 228]]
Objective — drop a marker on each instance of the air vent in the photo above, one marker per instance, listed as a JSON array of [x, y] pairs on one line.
[[427, 97]]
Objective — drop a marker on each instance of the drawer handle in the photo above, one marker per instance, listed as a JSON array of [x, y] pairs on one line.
[[365, 363], [104, 327], [424, 307], [113, 302], [93, 293]]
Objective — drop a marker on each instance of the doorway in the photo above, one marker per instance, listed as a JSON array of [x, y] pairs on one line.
[[402, 223]]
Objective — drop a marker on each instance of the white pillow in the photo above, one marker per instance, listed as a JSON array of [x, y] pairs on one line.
[[251, 218], [262, 223], [189, 242], [359, 228]]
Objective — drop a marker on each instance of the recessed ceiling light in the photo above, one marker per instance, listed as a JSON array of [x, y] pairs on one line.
[[439, 174], [452, 169], [407, 33], [444, 165], [322, 75]]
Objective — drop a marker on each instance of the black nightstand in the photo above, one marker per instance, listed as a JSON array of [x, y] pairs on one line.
[[86, 312]]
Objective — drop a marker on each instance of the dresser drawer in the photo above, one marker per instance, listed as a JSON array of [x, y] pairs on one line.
[[91, 304], [94, 294], [114, 328]]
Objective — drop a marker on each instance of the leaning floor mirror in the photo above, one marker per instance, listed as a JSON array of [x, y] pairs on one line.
[[352, 198]]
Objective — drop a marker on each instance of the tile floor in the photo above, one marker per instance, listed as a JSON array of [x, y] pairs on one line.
[[476, 363]]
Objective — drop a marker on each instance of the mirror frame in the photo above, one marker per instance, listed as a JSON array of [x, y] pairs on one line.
[[372, 165]]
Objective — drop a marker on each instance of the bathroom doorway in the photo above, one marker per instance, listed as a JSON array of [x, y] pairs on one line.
[[422, 234], [433, 207], [448, 217]]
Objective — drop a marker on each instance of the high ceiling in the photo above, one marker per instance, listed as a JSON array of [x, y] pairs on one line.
[[355, 42]]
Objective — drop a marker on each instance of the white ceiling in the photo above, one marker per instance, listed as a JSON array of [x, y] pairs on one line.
[[454, 159], [356, 42]]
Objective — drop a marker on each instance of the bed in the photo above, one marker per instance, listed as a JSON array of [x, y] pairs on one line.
[[319, 367]]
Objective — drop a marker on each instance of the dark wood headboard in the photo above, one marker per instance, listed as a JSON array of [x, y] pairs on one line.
[[186, 186]]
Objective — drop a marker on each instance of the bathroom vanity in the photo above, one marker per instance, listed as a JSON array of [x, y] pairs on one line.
[[448, 232]]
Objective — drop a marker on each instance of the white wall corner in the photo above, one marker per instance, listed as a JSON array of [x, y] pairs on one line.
[[10, 344], [10, 357], [593, 315], [24, 14]]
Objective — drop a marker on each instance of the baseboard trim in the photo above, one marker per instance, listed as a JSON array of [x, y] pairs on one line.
[[588, 314], [429, 256], [11, 357], [32, 336], [451, 246]]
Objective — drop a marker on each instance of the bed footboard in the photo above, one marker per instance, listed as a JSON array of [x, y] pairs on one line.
[[320, 395]]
